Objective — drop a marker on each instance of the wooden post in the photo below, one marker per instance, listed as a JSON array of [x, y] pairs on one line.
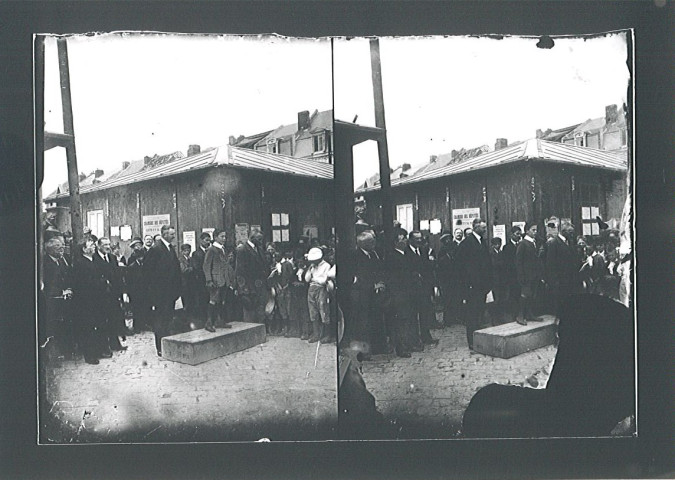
[[382, 147], [71, 156]]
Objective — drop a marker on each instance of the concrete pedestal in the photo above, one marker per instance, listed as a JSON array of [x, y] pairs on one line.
[[511, 339], [200, 346]]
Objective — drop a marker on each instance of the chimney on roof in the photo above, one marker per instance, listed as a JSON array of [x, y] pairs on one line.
[[405, 167], [454, 154], [303, 120], [194, 150], [433, 158], [147, 160], [501, 143], [98, 173], [540, 134], [125, 165], [611, 114], [82, 176], [232, 140]]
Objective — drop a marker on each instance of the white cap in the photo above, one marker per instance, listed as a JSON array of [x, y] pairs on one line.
[[314, 254]]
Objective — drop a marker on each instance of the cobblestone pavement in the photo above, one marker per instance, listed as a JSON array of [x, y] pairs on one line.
[[425, 396], [268, 391]]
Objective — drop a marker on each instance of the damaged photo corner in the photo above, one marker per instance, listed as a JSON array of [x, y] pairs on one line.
[[209, 133]]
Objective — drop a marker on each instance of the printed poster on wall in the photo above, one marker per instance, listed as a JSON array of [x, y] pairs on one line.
[[152, 224], [463, 217], [499, 231], [240, 233], [114, 231], [312, 231], [190, 239], [424, 224]]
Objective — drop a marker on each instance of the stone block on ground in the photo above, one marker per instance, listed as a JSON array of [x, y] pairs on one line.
[[199, 346], [511, 339]]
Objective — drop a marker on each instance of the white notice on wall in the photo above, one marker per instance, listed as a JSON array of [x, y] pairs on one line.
[[424, 224], [499, 231], [125, 233], [435, 226], [152, 224], [189, 238], [114, 231]]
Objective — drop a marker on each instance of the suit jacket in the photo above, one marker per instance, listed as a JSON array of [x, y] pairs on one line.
[[197, 263], [250, 270], [217, 269], [528, 265], [422, 269], [89, 288], [473, 265], [399, 284], [509, 258], [561, 263], [134, 273], [112, 273], [56, 278], [161, 271]]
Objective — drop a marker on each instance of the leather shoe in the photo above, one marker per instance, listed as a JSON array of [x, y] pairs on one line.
[[106, 354], [210, 328], [91, 361], [521, 321], [159, 353], [313, 339]]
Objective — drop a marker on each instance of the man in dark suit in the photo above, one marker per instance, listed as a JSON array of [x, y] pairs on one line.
[[56, 275], [561, 266], [220, 280], [201, 298], [400, 309], [162, 274], [366, 322], [473, 265], [107, 266], [136, 287], [512, 287], [528, 266], [251, 273], [421, 268]]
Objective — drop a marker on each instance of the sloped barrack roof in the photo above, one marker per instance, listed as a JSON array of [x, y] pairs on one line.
[[532, 150], [233, 156]]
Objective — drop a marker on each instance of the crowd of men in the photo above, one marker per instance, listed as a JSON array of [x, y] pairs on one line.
[[93, 294], [397, 291]]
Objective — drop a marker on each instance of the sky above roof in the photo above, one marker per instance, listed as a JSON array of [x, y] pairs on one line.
[[136, 95], [445, 93]]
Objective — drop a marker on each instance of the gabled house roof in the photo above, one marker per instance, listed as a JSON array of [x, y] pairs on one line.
[[448, 158], [318, 121], [531, 150], [228, 155]]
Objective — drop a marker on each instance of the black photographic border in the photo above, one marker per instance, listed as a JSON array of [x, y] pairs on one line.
[[648, 455]]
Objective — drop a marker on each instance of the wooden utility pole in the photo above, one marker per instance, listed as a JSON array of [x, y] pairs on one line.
[[382, 147], [69, 130]]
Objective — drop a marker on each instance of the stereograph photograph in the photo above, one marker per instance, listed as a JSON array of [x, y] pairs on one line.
[[200, 190]]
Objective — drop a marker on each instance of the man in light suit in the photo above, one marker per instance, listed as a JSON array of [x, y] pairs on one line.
[[162, 274], [219, 277], [251, 272], [474, 265]]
